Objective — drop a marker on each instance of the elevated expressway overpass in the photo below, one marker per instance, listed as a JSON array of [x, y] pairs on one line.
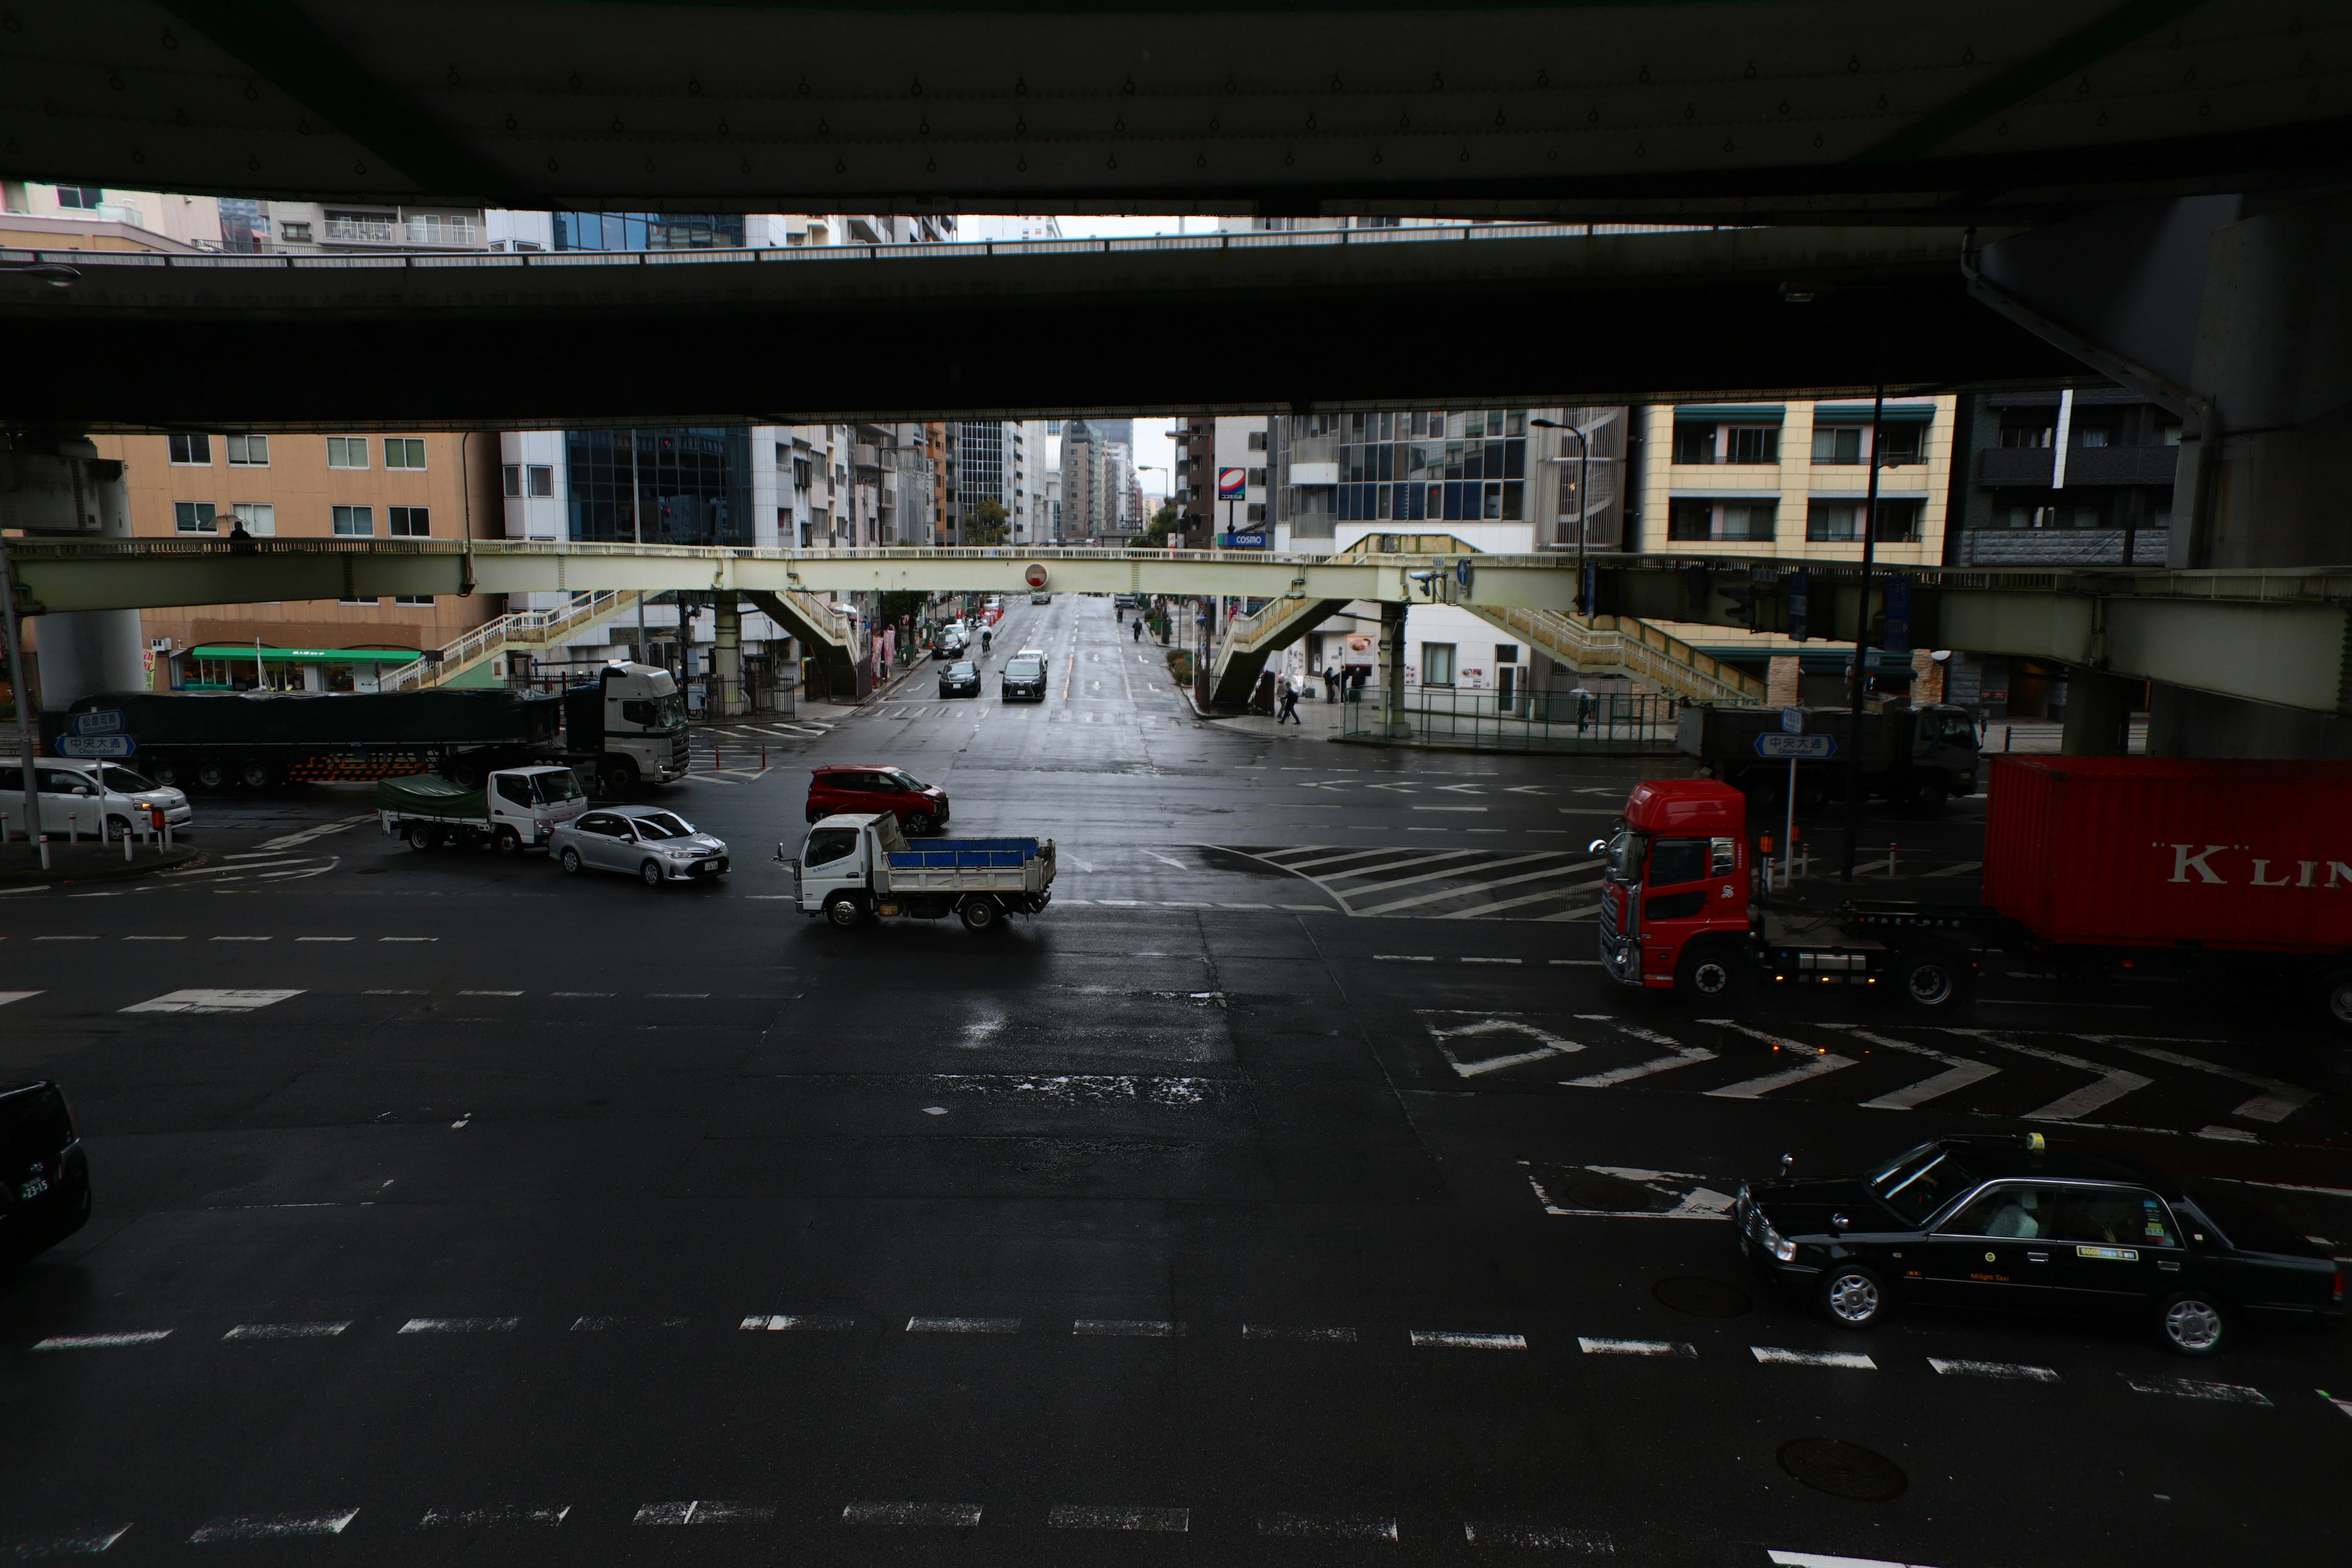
[[2282, 637]]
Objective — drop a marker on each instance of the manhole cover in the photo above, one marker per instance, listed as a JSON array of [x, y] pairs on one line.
[[1702, 1298], [1843, 1470], [1624, 1196]]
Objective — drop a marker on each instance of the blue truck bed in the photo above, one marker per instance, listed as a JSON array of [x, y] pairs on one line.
[[968, 855]]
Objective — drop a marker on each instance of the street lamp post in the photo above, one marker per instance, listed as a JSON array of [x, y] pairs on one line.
[[1583, 503]]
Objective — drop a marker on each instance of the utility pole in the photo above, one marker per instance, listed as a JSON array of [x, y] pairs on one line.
[[24, 698], [1862, 642]]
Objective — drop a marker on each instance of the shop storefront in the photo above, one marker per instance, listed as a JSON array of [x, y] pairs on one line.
[[232, 667]]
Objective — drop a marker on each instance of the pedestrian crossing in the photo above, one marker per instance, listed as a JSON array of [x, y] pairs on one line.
[[1499, 883], [2044, 1078]]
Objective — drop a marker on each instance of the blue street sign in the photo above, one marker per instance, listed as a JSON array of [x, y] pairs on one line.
[[1462, 571], [1797, 748], [1244, 541], [104, 722], [96, 746], [1792, 720]]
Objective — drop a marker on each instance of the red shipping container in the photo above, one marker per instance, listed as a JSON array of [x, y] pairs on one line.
[[2164, 852]]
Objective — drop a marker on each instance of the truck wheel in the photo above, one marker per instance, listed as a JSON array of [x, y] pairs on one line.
[[620, 777], [1932, 982], [211, 773], [651, 873], [2336, 995], [842, 912], [422, 836], [1927, 798], [1710, 972], [981, 914], [571, 861], [165, 773], [917, 823], [506, 841], [255, 773], [465, 773], [2193, 1323]]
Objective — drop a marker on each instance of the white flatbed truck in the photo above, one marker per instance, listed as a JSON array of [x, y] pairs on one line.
[[513, 809], [857, 867]]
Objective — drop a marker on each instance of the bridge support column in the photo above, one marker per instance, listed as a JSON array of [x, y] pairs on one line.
[[2098, 714], [727, 655], [1392, 718], [63, 487]]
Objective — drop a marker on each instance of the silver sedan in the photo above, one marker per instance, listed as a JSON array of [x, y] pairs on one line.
[[651, 843]]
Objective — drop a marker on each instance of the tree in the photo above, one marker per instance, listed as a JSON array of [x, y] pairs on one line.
[[1164, 522], [984, 524]]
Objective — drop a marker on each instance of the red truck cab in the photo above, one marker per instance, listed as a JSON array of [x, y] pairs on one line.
[[1674, 907]]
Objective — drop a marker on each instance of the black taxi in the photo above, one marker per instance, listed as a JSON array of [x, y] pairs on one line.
[[43, 1174], [2014, 1224]]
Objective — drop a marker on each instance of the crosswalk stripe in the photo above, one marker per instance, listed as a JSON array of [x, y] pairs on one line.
[[1442, 894], [1816, 1063], [1484, 910], [1446, 871], [1959, 1074], [1680, 1055]]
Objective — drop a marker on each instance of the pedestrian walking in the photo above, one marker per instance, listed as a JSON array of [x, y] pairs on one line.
[[240, 542], [1138, 635], [1289, 704]]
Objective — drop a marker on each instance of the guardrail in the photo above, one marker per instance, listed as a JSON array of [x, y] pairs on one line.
[[1636, 646], [521, 626], [1619, 724]]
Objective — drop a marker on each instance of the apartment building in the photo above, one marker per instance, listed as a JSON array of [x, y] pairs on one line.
[[1220, 486], [36, 216], [207, 484]]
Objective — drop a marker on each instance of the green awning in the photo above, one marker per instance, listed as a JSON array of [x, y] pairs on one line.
[[311, 654], [1733, 412], [1859, 414]]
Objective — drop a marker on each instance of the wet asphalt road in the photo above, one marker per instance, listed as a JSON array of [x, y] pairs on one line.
[[1239, 1209]]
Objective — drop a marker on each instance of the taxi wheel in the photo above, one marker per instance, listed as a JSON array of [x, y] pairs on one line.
[[1854, 1297], [2193, 1323]]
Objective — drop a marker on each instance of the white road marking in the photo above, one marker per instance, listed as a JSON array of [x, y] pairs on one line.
[[210, 1001], [1428, 875], [2275, 1104], [1439, 895], [461, 1325], [586, 993], [273, 1526], [2014, 1371], [344, 825], [1961, 1071], [248, 866], [1491, 961], [1328, 1527], [1439, 807], [101, 1342], [286, 1331], [1449, 1340], [1820, 1560], [2113, 1083], [155, 939], [1311, 909], [490, 993], [1636, 1347], [1776, 1355], [1245, 906], [914, 1515], [1547, 1045], [1681, 1055], [1690, 1195], [963, 1325], [325, 939], [785, 1322], [1127, 1328], [504, 1516], [1319, 1336], [2191, 1388], [67, 1543], [1542, 1537], [408, 938], [1812, 1063], [1079, 1516], [80, 939], [1575, 964], [1404, 958], [8, 996], [706, 1513], [237, 939]]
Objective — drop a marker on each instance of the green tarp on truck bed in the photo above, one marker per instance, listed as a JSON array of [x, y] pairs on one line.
[[429, 795]]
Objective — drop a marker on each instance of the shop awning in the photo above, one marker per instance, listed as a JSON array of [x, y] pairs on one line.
[[310, 655]]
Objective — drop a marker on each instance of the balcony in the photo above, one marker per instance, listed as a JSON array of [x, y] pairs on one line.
[[2029, 467], [430, 230], [2062, 546]]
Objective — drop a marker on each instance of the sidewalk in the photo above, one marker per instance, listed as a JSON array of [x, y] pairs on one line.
[[20, 864]]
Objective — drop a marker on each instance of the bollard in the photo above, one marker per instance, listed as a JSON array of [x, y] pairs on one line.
[[73, 827], [126, 844], [763, 756], [45, 851], [717, 762], [1890, 862]]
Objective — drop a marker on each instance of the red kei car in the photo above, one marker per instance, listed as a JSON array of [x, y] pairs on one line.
[[920, 807]]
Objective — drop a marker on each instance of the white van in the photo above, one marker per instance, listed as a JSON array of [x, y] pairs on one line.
[[83, 797]]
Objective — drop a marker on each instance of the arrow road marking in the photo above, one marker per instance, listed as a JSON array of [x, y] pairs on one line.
[[1815, 1063], [2113, 1084], [1682, 1056], [2276, 1103], [1961, 1073], [1548, 1044]]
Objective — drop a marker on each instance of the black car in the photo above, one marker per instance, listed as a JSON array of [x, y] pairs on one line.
[[961, 679], [2011, 1223], [1023, 679], [43, 1174]]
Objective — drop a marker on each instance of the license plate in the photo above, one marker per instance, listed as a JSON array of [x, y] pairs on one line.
[[28, 1191]]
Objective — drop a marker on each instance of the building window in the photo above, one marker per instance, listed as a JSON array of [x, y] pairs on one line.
[[1837, 444], [802, 477], [355, 522], [1901, 444], [347, 452], [370, 602], [1258, 477], [80, 198], [1257, 441], [1705, 520], [412, 598], [1256, 512], [293, 232], [2026, 514], [193, 516], [543, 480], [1694, 443], [1437, 664], [2090, 435], [409, 521], [1841, 521], [192, 449], [259, 519], [249, 451], [2167, 435], [513, 475], [1753, 444], [404, 452], [2027, 435]]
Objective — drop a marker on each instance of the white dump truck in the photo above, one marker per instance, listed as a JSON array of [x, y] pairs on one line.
[[513, 809], [857, 867]]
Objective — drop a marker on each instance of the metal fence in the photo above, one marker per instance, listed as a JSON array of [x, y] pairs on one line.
[[1629, 723]]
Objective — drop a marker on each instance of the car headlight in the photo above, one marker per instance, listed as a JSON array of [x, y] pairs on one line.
[[1778, 1246]]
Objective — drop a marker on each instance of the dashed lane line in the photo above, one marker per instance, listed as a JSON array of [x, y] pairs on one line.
[[1780, 1356], [2004, 1371], [273, 1526]]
